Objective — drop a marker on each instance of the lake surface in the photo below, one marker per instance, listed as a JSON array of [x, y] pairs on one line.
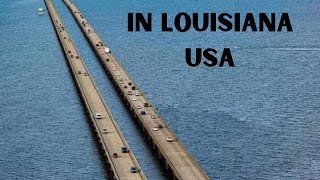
[[258, 120]]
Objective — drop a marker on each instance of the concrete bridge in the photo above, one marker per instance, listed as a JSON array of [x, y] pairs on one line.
[[119, 159], [164, 141]]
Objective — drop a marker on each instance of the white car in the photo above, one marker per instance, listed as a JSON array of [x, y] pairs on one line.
[[138, 107], [107, 50], [155, 128], [169, 139], [98, 116], [134, 99], [137, 94], [104, 131]]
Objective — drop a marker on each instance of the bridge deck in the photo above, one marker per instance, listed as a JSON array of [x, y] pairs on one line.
[[113, 140], [174, 153]]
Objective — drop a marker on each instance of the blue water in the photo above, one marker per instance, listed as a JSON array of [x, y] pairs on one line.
[[44, 131], [258, 120]]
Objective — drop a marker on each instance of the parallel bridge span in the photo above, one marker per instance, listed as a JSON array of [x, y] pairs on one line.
[[176, 158], [108, 133]]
